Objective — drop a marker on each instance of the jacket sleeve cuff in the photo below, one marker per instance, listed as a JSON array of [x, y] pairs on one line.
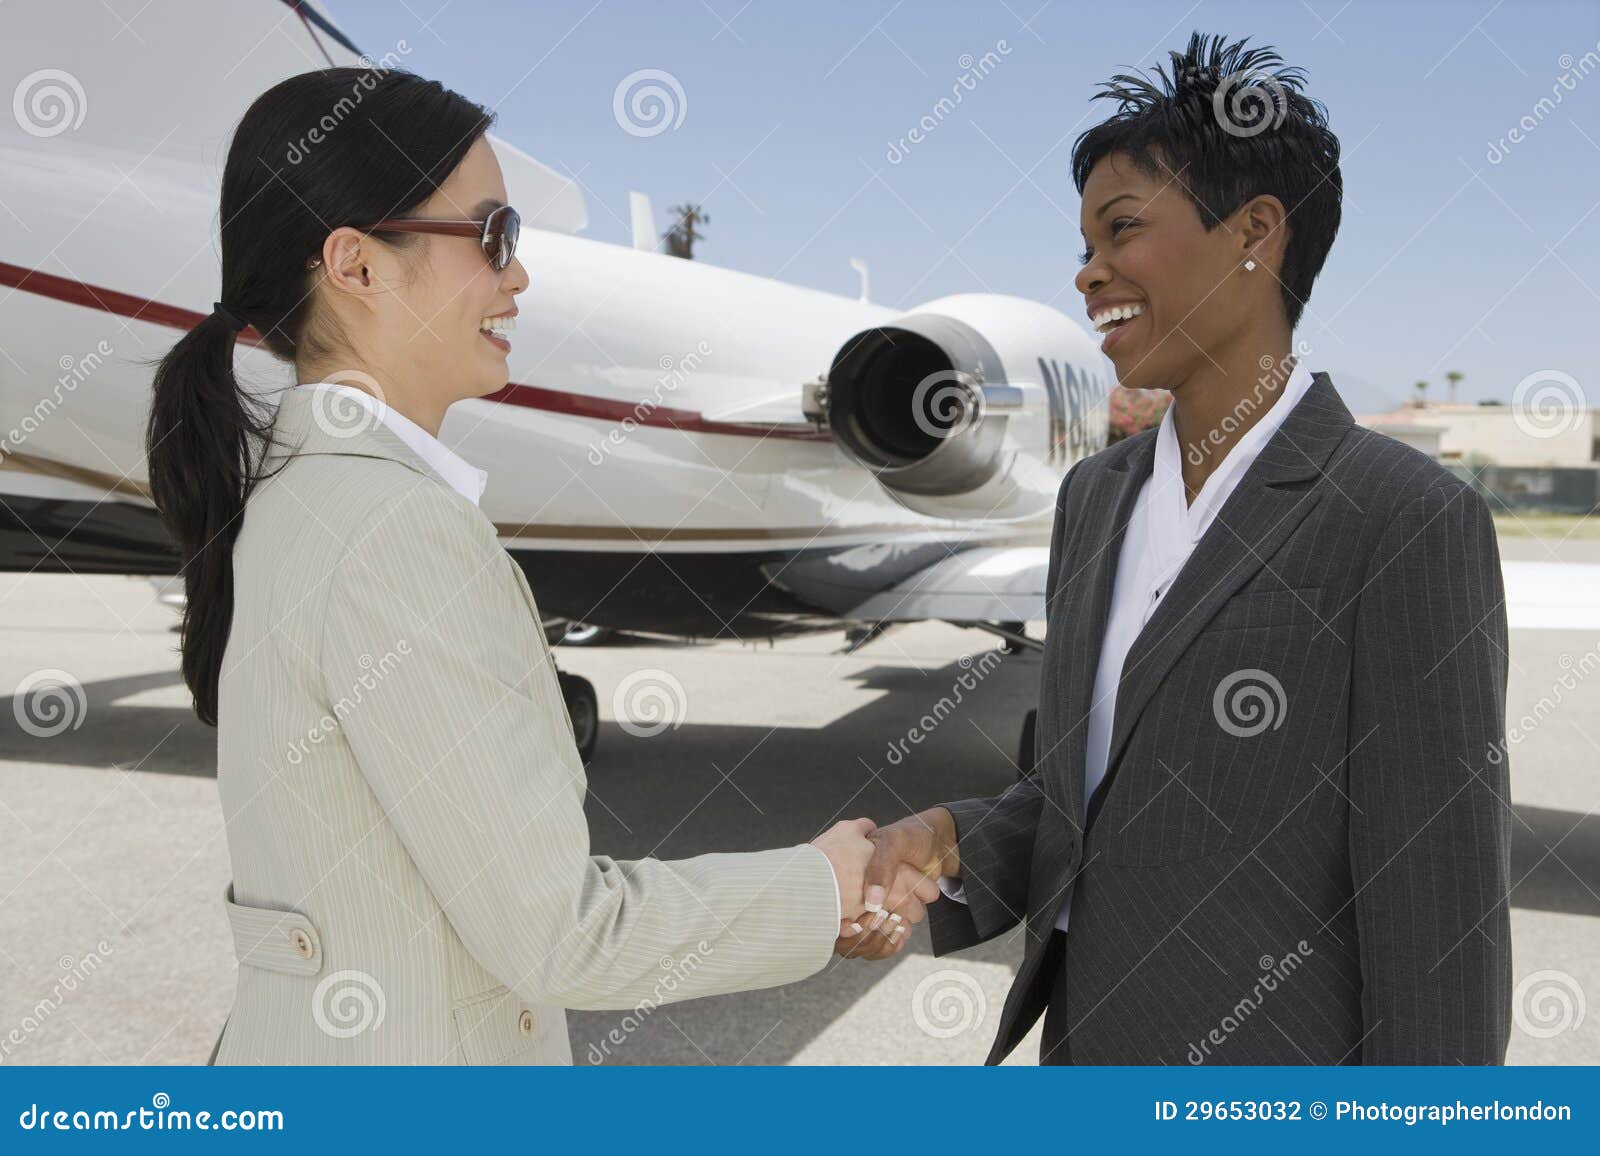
[[838, 903]]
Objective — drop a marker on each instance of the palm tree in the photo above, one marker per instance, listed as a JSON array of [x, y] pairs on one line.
[[1454, 379], [681, 237], [1422, 394]]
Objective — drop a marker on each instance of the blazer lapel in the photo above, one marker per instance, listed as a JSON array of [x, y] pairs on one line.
[[1260, 514], [1083, 620]]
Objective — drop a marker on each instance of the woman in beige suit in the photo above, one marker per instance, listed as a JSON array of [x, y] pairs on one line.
[[412, 878]]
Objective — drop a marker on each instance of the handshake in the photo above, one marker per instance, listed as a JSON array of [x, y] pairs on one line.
[[887, 876]]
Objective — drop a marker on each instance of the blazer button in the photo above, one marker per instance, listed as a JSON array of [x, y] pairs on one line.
[[301, 942], [525, 1022]]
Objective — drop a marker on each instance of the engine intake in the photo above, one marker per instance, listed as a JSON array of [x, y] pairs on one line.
[[922, 403]]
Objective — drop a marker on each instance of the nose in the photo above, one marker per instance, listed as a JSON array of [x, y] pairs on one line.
[[1091, 278], [514, 277]]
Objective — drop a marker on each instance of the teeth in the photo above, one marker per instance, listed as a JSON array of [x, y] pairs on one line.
[[1103, 320], [502, 324]]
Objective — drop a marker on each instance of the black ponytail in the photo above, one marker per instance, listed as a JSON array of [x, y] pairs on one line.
[[325, 149]]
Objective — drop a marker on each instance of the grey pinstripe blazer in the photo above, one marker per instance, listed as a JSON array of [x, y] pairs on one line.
[[412, 878], [1326, 886]]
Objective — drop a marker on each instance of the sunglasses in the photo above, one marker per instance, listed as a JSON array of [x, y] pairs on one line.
[[497, 233]]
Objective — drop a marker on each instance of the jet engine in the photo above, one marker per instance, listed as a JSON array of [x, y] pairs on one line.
[[970, 406]]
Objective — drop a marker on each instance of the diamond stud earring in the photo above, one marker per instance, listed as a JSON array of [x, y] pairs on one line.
[[1250, 264]]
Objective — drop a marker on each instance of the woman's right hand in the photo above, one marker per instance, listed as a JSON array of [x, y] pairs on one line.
[[849, 851]]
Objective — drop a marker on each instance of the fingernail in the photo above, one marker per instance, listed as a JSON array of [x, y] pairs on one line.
[[874, 898], [896, 933], [876, 921], [855, 929], [895, 918]]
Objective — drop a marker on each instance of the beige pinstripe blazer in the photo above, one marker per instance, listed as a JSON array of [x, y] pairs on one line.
[[412, 878]]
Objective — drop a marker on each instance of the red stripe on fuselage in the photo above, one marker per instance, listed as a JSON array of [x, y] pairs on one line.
[[603, 409]]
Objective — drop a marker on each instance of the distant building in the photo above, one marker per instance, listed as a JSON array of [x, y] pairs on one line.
[[1417, 436], [1501, 435]]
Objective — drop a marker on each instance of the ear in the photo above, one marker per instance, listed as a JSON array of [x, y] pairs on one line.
[[1261, 226], [344, 263]]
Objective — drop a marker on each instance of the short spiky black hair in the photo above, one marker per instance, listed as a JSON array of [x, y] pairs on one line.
[[1227, 124]]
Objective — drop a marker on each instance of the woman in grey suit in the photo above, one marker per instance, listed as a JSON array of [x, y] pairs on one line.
[[412, 878], [1269, 818]]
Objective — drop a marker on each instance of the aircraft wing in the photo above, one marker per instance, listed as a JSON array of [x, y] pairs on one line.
[[987, 584], [777, 409]]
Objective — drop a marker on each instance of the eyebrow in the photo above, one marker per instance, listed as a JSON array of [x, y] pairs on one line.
[[1114, 200], [486, 206]]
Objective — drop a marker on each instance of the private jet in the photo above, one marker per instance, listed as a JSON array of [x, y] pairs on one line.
[[682, 451]]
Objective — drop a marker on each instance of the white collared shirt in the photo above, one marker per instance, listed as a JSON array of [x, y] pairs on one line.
[[462, 477], [1161, 534]]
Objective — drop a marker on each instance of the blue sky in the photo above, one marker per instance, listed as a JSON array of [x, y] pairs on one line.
[[1447, 258]]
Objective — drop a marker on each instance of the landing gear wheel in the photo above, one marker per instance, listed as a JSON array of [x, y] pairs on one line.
[[583, 634], [583, 708], [1030, 722]]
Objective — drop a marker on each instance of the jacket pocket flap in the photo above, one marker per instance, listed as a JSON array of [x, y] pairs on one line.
[[494, 1026], [276, 940]]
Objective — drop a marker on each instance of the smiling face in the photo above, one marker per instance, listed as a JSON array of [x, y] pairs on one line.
[[1166, 293], [458, 290], [437, 324]]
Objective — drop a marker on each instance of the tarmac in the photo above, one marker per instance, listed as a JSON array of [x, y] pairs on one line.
[[113, 855]]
